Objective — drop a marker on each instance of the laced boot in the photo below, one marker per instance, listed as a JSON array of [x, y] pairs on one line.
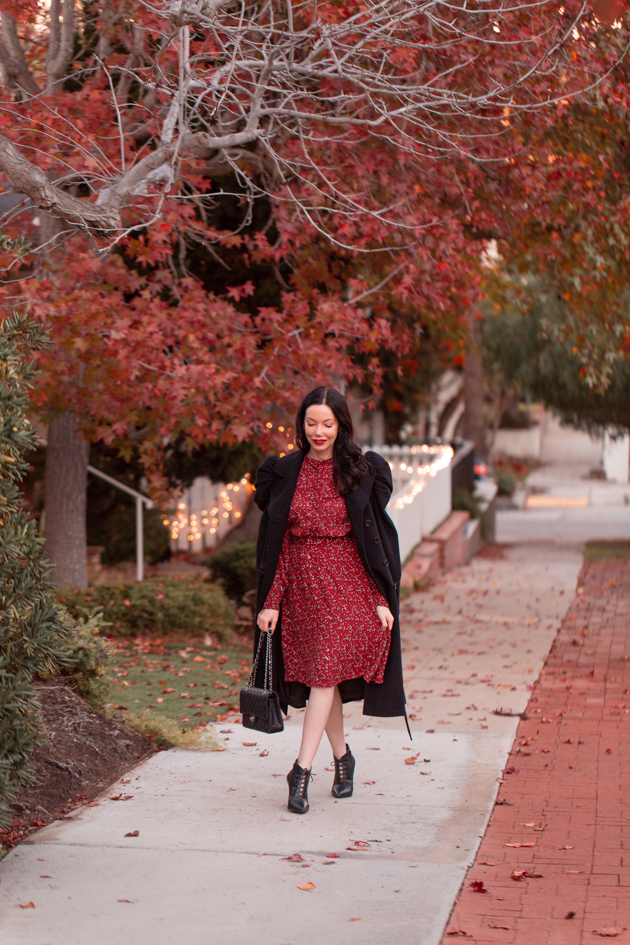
[[344, 773], [298, 779]]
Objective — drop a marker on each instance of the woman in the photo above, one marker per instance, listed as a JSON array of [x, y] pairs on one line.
[[328, 580]]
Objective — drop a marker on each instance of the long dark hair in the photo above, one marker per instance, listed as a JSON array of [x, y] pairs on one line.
[[349, 463]]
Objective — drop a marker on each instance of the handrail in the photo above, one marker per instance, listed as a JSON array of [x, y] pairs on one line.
[[140, 501]]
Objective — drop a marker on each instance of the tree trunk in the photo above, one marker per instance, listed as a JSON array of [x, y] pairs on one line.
[[474, 427], [65, 503]]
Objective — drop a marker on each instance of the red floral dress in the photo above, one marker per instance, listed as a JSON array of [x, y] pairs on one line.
[[330, 628]]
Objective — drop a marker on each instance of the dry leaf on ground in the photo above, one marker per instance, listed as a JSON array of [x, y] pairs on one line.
[[609, 933], [306, 886]]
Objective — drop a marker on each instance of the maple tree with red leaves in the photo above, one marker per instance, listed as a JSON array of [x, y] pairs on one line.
[[125, 125]]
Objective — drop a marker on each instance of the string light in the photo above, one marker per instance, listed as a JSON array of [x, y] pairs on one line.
[[192, 527], [444, 455]]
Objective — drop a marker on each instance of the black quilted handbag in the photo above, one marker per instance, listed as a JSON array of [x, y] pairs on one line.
[[260, 707]]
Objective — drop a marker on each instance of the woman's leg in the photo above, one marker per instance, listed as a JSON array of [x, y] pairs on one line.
[[334, 727], [316, 717]]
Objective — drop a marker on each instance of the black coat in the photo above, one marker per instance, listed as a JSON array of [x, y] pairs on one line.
[[377, 542]]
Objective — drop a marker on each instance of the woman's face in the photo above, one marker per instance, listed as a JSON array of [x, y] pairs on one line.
[[321, 427]]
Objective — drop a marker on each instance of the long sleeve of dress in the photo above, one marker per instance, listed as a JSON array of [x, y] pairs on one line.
[[281, 579]]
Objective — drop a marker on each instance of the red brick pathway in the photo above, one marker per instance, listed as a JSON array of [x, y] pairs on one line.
[[565, 795]]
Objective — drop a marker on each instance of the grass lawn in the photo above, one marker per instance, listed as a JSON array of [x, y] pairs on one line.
[[183, 680], [599, 550]]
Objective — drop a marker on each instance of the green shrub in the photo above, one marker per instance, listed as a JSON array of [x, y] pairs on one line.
[[158, 606], [235, 568], [464, 501], [88, 653], [505, 481], [31, 630]]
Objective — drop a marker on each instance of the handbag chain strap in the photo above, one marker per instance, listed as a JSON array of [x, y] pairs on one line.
[[268, 662]]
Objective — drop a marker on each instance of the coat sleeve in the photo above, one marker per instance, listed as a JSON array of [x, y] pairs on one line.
[[281, 579], [383, 483], [264, 479]]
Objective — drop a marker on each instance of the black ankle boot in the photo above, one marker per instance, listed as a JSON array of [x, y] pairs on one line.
[[344, 773], [298, 779]]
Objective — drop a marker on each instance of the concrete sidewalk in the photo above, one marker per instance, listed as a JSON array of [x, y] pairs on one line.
[[209, 863]]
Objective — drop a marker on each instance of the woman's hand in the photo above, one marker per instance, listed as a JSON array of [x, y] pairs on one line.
[[384, 615], [267, 620]]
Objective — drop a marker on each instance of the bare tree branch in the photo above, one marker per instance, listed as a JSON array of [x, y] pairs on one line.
[[429, 80], [60, 44], [26, 178], [13, 59]]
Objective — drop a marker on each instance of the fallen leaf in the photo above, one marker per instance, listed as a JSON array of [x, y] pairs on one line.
[[27, 905], [486, 863], [121, 797], [44, 876], [459, 932], [332, 856], [614, 930], [296, 857], [518, 874], [430, 731], [159, 699], [530, 823], [250, 744], [306, 886], [563, 848], [262, 854], [570, 915], [358, 845], [226, 731], [495, 925], [411, 760], [133, 833], [264, 753], [355, 918], [477, 886], [125, 900], [525, 845], [168, 690]]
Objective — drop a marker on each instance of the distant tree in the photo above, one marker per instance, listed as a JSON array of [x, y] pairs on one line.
[[523, 356]]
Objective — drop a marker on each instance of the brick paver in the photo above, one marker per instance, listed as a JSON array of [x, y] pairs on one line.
[[564, 796]]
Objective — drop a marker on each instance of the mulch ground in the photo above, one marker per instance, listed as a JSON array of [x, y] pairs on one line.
[[554, 865], [85, 752]]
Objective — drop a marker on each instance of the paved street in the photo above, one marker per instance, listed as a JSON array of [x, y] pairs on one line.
[[208, 864]]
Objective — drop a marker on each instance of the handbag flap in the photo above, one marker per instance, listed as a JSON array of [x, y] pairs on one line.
[[255, 701]]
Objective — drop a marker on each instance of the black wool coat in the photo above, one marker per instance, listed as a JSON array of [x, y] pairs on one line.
[[377, 542]]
